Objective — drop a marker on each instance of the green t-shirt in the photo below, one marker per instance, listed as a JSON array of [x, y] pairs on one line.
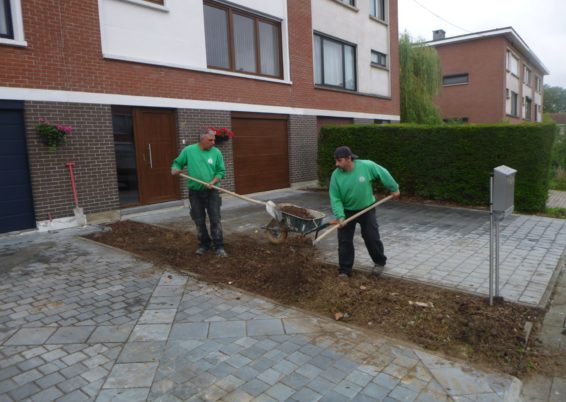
[[353, 190], [201, 164]]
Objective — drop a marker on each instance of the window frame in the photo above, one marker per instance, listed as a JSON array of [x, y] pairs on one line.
[[355, 67], [7, 4], [514, 99], [465, 76], [380, 55], [511, 56], [383, 9], [527, 75], [230, 12]]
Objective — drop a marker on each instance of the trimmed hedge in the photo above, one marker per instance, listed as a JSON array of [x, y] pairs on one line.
[[449, 162]]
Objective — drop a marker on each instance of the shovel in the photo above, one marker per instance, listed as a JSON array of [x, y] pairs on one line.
[[79, 214], [351, 218], [270, 206]]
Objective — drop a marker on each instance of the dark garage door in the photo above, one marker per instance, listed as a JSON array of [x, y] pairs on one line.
[[16, 206], [261, 152]]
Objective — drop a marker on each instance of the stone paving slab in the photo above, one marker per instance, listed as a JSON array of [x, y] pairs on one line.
[[199, 342]]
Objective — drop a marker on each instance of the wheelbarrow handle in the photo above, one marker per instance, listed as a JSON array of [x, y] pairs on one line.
[[351, 218], [243, 197]]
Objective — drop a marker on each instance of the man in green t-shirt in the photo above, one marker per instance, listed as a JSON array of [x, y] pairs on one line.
[[350, 192], [204, 162]]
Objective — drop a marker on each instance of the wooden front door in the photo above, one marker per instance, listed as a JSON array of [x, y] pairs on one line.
[[261, 152], [156, 147]]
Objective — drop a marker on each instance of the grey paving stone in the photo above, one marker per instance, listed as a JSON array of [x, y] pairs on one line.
[[75, 396], [123, 395], [162, 316], [111, 333], [150, 332], [306, 395], [264, 327], [30, 336], [140, 352], [280, 392], [196, 330], [131, 375], [70, 335], [50, 394], [227, 329]]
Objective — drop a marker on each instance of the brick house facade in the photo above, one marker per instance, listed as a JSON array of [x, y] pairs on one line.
[[489, 77], [82, 63]]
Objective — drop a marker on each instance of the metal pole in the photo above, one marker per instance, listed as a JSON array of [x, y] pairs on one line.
[[496, 258], [491, 241]]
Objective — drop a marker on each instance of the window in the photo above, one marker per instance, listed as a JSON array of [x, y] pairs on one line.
[[349, 2], [514, 99], [6, 30], [512, 63], [242, 42], [528, 107], [537, 83], [378, 59], [536, 112], [156, 1], [527, 76], [377, 9], [455, 79], [334, 63]]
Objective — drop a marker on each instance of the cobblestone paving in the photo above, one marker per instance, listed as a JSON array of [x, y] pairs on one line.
[[83, 322]]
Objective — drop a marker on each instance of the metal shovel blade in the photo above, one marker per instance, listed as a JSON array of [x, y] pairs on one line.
[[272, 210]]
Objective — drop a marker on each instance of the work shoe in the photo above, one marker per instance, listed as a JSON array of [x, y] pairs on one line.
[[220, 252], [342, 275], [377, 269], [201, 250]]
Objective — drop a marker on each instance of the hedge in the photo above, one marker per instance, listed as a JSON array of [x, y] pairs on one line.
[[450, 162]]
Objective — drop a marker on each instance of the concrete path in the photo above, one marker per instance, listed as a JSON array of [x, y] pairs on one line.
[[556, 199], [83, 322]]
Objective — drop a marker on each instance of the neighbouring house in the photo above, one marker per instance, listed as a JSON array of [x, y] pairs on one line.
[[137, 80], [560, 120], [489, 77]]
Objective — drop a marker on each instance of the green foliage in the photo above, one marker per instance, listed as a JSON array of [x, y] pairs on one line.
[[554, 99], [559, 213], [420, 79], [450, 162]]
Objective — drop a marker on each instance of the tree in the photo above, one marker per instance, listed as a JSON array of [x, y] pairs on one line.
[[554, 99], [420, 79]]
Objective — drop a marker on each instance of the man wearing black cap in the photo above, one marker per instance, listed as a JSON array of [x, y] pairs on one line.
[[350, 192]]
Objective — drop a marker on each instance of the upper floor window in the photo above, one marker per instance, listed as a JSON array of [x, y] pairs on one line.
[[527, 76], [378, 59], [334, 63], [455, 79], [6, 29], [242, 42], [538, 83], [512, 63], [377, 9], [349, 2]]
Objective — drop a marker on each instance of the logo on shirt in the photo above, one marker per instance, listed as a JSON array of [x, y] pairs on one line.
[[361, 179], [210, 161]]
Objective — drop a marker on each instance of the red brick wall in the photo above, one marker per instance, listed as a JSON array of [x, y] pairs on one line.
[[482, 100], [64, 52], [90, 147]]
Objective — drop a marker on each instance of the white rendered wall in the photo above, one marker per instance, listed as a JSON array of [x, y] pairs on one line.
[[355, 26], [173, 34]]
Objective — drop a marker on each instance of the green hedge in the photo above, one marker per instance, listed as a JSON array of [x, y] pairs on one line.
[[450, 162]]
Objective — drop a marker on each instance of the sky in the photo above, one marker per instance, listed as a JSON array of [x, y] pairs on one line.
[[541, 24]]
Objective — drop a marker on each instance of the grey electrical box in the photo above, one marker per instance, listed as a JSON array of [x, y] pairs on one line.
[[503, 190]]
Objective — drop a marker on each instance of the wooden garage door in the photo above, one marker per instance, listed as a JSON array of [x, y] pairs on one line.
[[16, 203], [261, 152]]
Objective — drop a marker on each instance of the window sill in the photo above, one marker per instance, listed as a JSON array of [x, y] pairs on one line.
[[346, 91], [382, 22], [352, 8], [148, 4], [379, 66], [13, 42]]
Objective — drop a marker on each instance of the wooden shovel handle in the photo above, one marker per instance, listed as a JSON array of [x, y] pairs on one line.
[[243, 197], [351, 218]]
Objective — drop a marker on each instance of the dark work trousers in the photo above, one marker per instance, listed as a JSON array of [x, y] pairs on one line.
[[370, 234], [205, 202]]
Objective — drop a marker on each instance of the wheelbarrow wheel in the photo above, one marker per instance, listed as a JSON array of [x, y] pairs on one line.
[[276, 232]]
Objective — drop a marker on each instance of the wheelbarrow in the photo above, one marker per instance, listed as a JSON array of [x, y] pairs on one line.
[[278, 230]]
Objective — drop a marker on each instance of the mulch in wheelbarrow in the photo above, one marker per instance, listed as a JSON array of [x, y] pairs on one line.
[[457, 324]]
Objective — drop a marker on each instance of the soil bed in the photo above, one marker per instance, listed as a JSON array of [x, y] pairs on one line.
[[456, 324]]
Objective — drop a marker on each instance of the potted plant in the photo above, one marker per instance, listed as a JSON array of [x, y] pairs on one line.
[[53, 135], [222, 134]]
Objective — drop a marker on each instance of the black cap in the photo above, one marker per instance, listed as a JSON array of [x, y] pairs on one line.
[[344, 152]]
